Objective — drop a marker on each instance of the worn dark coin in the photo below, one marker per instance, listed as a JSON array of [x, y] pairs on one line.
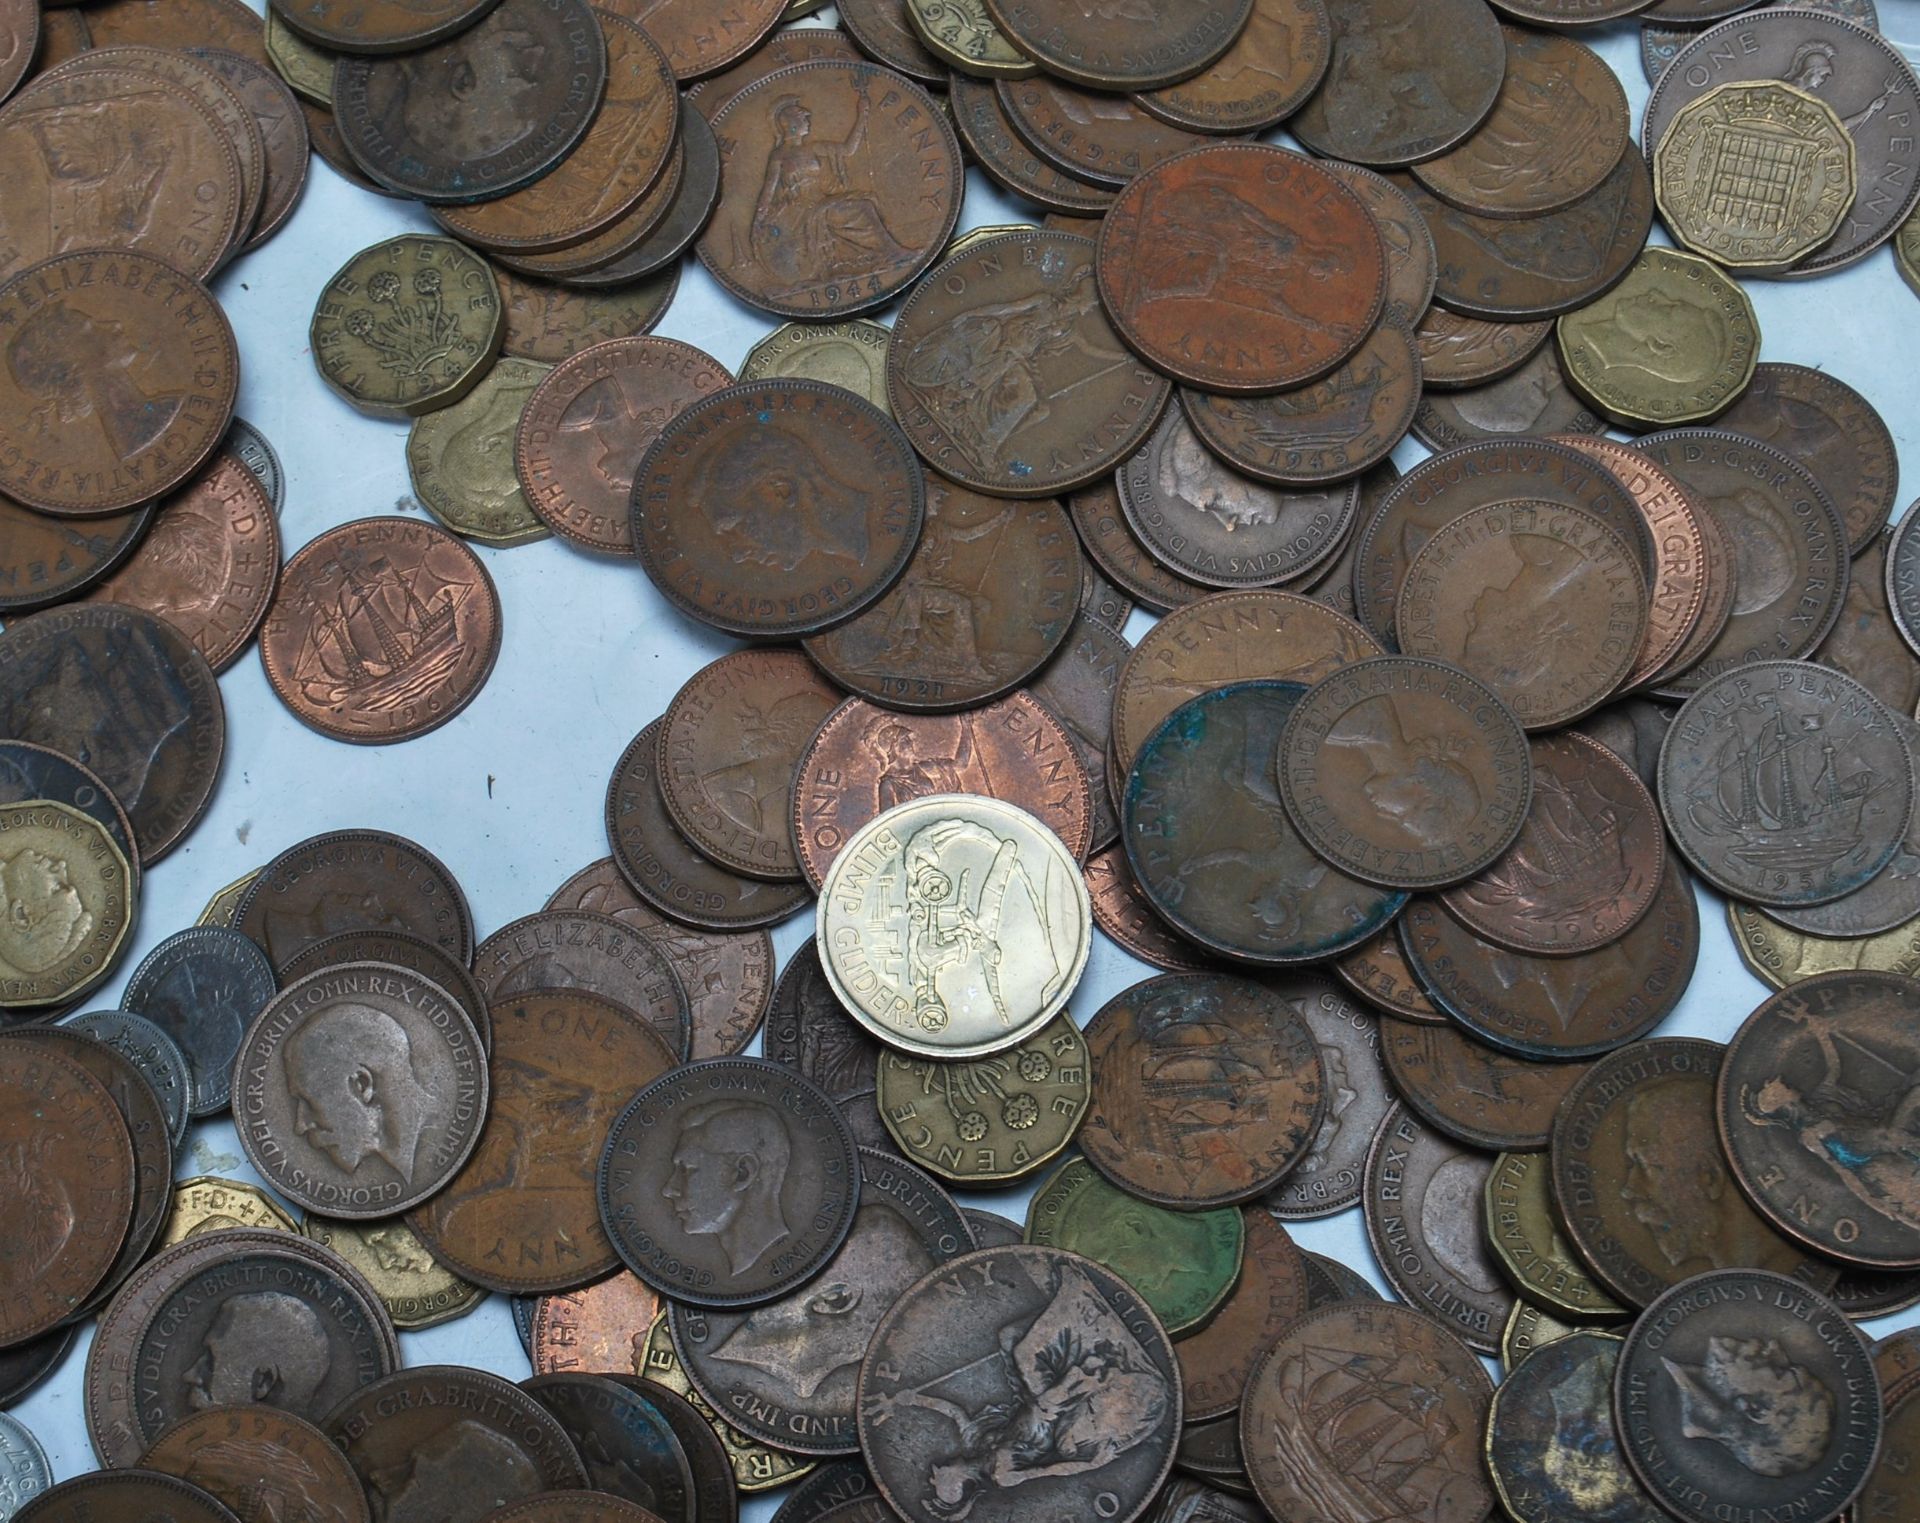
[[1643, 1183], [1379, 972], [474, 1441], [323, 135], [1865, 642], [786, 1372], [30, 773], [728, 1182], [20, 27], [1122, 911], [1273, 1290], [1411, 261], [1328, 1178], [1891, 1492], [715, 1498], [251, 1457], [1422, 1199], [153, 1053], [1472, 1092], [384, 26], [698, 42], [124, 1494], [1134, 47], [1695, 1436], [1412, 1376], [1534, 399], [1556, 1402], [1466, 351], [1077, 687], [1068, 402], [203, 987], [1211, 1450], [884, 34], [1523, 1229], [994, 1318], [836, 1484], [1266, 74], [354, 880], [550, 322], [1903, 578], [46, 560], [1005, 158], [810, 1032], [1633, 729], [402, 949], [624, 1441], [777, 509], [665, 869], [580, 949], [128, 697], [1102, 139], [1117, 550]]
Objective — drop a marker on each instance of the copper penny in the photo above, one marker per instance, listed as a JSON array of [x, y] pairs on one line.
[[63, 35], [663, 867], [1007, 376], [1116, 549], [1405, 772], [1467, 351], [788, 46], [1523, 269], [987, 599], [1425, 1223], [1379, 973], [1141, 45], [845, 184], [1329, 431], [697, 41], [119, 382], [1267, 72], [210, 563], [727, 976], [1078, 688], [1557, 129], [46, 560], [1586, 865], [624, 150], [629, 235], [520, 1215], [1122, 911], [1329, 1177], [884, 34], [245, 1455], [323, 134], [600, 1329], [671, 222], [1576, 12], [1396, 1362], [585, 427], [732, 738], [1207, 1090], [1103, 139], [283, 134], [552, 323], [1634, 730], [381, 26], [1201, 517], [1472, 1092], [1216, 1361], [555, 950], [127, 696], [1004, 157], [1544, 603], [1865, 642], [865, 760], [402, 950], [354, 880], [62, 143], [1642, 1179], [1411, 262], [383, 629], [19, 41], [1242, 267], [167, 24], [809, 1031], [127, 1494], [777, 509], [1559, 1007], [1534, 399]]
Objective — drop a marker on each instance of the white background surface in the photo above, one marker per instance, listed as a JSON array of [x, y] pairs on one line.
[[509, 795]]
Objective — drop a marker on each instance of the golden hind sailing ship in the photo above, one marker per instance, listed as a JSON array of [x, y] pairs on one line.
[[382, 645]]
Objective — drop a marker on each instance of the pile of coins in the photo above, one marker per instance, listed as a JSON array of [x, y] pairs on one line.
[[1408, 799]]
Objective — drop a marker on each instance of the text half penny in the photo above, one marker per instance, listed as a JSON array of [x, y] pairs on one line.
[[354, 880], [1328, 1178], [1472, 1092], [1265, 75]]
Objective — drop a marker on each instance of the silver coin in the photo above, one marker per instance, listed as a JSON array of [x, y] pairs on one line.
[[249, 446], [203, 986], [155, 1054], [24, 1471]]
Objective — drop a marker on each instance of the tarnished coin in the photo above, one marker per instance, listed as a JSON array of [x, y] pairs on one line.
[[777, 509], [1559, 1401], [1422, 1198], [1267, 72], [360, 1091], [851, 354], [1473, 1092], [303, 64], [407, 326], [576, 949], [256, 1460], [1378, 971], [633, 1460], [1468, 351], [208, 1203], [797, 237], [403, 950], [1411, 1375], [1891, 1492], [756, 1467], [1404, 772], [1213, 848], [1695, 1436], [1642, 1179], [71, 901], [210, 563], [1778, 955], [1273, 1290], [154, 1055], [417, 1291], [1122, 911], [1527, 1329], [728, 1182], [1805, 1081], [1659, 44], [1674, 342], [1556, 131], [354, 880], [786, 1372], [1077, 687], [1113, 546], [45, 560], [552, 323], [1328, 1177], [203, 988], [985, 602], [989, 1120], [1138, 46], [460, 458], [1534, 399], [1092, 135], [1523, 1230], [383, 629], [884, 34], [599, 1329], [954, 926], [697, 42], [663, 867], [809, 1030], [19, 42], [283, 136], [384, 26], [1005, 158], [473, 1440], [1007, 375], [1242, 267], [127, 1493], [1183, 1264]]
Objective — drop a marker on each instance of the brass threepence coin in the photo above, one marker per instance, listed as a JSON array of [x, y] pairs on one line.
[[460, 458], [251, 1457], [1527, 1329], [1523, 1230], [1266, 74], [354, 880], [70, 904], [965, 35], [1556, 1403], [208, 1203], [851, 355], [1778, 955], [417, 1291], [303, 64]]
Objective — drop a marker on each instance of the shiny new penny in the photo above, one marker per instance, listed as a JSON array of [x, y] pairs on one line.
[[1268, 71], [210, 563], [1544, 603], [459, 459], [1643, 1183], [1554, 1402], [1212, 847], [46, 560], [1122, 911], [127, 1494], [732, 738], [987, 599], [1138, 46], [864, 760], [552, 323], [1535, 399], [383, 629], [728, 1182], [1242, 267], [417, 1291], [1556, 131], [698, 42], [1472, 1092], [1401, 1364], [1523, 1229], [777, 509], [1091, 135], [120, 380], [73, 899], [1113, 546], [203, 987], [841, 184], [353, 880], [1378, 971], [1273, 1289], [240, 1455], [1467, 351], [384, 26], [1007, 375], [1077, 687], [600, 1329], [128, 697], [1422, 1199], [1405, 772], [576, 949], [1005, 158]]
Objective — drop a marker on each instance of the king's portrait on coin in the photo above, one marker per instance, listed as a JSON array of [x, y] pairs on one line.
[[355, 1089], [42, 917], [1748, 1396], [729, 1167], [264, 1346]]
